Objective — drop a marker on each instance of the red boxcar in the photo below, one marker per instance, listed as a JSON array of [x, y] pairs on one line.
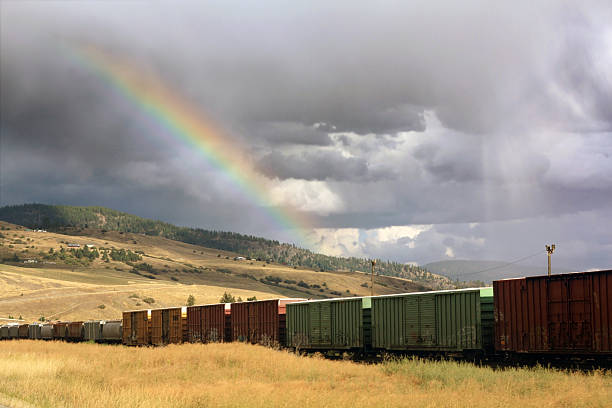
[[261, 321], [207, 323], [567, 313]]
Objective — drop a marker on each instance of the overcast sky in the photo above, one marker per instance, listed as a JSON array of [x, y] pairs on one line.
[[411, 131]]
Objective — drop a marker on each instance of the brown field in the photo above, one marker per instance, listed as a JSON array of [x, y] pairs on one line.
[[53, 374], [78, 292]]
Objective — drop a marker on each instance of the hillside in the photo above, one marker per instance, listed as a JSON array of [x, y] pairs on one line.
[[73, 220], [487, 271], [44, 274]]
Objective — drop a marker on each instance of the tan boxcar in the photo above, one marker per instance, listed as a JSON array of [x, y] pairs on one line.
[[136, 328], [207, 323], [562, 314], [260, 321], [167, 326]]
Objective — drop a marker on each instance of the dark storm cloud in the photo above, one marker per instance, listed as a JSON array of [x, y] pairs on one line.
[[415, 113]]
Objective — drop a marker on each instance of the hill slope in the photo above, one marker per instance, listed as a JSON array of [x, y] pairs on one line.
[[71, 220], [45, 274]]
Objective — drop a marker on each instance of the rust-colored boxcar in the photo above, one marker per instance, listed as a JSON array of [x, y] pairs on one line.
[[260, 321], [74, 331], [59, 330], [166, 326], [563, 314], [136, 328], [207, 323]]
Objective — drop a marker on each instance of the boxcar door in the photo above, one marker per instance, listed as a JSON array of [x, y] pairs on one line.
[[427, 323], [314, 310], [558, 332], [133, 324], [579, 306], [165, 329], [253, 334], [325, 319], [411, 321]]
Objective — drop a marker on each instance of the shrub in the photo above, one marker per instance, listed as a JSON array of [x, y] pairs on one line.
[[227, 298], [101, 307], [190, 300], [148, 300], [274, 279]]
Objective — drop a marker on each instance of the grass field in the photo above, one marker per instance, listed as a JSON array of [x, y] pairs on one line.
[[53, 374], [101, 290]]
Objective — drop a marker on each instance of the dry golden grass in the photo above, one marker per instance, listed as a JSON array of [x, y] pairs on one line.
[[237, 375]]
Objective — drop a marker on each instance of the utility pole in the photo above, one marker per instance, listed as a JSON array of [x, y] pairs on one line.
[[372, 284], [550, 249]]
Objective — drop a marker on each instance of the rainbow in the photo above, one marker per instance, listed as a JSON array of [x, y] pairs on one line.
[[185, 124]]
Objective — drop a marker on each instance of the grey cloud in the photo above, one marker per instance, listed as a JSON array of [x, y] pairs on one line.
[[320, 165], [287, 133]]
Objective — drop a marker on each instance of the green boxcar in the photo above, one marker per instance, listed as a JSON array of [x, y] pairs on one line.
[[451, 320], [335, 324]]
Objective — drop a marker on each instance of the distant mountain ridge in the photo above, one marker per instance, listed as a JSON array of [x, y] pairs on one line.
[[67, 219], [487, 271]]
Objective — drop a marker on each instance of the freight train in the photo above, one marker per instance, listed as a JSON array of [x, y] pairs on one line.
[[566, 316]]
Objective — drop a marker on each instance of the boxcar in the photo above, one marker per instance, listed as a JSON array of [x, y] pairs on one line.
[[23, 331], [330, 324], [13, 331], [74, 331], [46, 331], [4, 332], [260, 321], [166, 326], [208, 323], [559, 314], [92, 330], [34, 331], [60, 330], [136, 328], [458, 321]]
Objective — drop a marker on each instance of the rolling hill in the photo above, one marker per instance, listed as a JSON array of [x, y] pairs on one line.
[[93, 273], [83, 220]]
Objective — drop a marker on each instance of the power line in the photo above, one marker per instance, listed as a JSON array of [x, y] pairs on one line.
[[504, 265]]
